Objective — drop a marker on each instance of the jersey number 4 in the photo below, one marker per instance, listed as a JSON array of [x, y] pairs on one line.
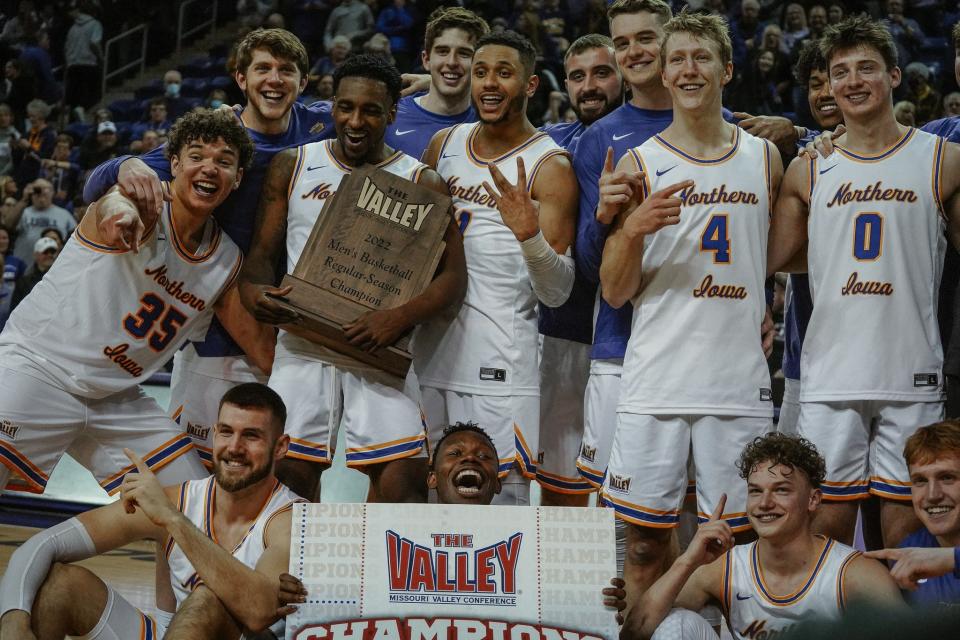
[[153, 311], [867, 236], [716, 238]]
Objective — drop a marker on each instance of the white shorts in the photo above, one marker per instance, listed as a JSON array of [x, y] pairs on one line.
[[647, 477], [512, 422], [682, 624], [123, 621], [196, 387], [600, 420], [379, 422], [39, 423], [564, 369], [790, 407], [862, 442]]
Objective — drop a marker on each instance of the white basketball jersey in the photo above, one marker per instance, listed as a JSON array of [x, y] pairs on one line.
[[103, 319], [695, 345], [196, 502], [316, 178], [875, 255], [490, 348], [752, 611]]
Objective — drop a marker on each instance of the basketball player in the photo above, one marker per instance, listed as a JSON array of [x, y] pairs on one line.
[[125, 293], [449, 41], [272, 68], [380, 414], [226, 536], [482, 366], [701, 206], [783, 476], [872, 357], [595, 87], [464, 468]]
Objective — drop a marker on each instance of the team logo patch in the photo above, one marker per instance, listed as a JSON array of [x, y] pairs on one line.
[[317, 128], [489, 373], [447, 569], [588, 453], [9, 429], [197, 431], [620, 483], [766, 395], [925, 379]]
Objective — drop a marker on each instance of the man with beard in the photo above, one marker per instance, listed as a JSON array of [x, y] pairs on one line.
[[594, 86], [379, 413], [482, 366], [226, 538], [449, 41]]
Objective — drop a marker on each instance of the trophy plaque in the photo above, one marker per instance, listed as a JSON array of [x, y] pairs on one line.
[[375, 245]]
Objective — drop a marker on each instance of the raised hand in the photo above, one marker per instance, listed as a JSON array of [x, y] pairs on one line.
[[121, 227], [617, 188], [519, 212], [914, 564], [658, 210], [142, 185], [142, 491], [713, 538]]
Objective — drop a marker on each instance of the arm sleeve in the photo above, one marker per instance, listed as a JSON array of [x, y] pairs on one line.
[[107, 174], [587, 163], [550, 273], [30, 564]]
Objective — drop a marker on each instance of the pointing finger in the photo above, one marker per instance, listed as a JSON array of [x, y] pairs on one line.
[[608, 162], [884, 554], [498, 178], [490, 192], [719, 510], [137, 461], [666, 192], [521, 173]]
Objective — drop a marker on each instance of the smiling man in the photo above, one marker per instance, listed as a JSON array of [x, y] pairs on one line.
[[464, 467], [226, 538], [380, 414], [783, 475]]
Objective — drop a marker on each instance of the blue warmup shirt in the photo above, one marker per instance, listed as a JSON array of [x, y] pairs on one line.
[[941, 591], [948, 128], [238, 212], [415, 126], [573, 320]]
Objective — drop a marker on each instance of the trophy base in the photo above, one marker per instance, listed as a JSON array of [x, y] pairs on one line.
[[328, 331]]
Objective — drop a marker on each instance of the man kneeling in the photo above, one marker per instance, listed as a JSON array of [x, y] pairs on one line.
[[226, 538]]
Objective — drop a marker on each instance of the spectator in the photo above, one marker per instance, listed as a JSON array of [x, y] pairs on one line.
[[176, 105], [921, 93], [397, 22], [307, 18], [39, 216], [216, 99], [16, 28], [19, 90], [325, 87], [101, 148], [54, 233], [274, 21], [905, 31], [379, 45], [9, 136], [835, 12], [13, 269], [906, 113], [157, 119], [351, 19], [45, 251], [36, 60], [61, 173], [8, 189], [82, 56], [38, 144], [756, 91], [338, 52], [781, 73], [148, 141], [746, 32], [816, 21], [794, 27], [951, 105]]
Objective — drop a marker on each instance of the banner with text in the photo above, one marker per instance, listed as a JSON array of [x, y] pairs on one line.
[[451, 572]]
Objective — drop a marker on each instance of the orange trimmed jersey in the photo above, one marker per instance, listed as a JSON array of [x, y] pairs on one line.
[[875, 256], [490, 348], [753, 611], [104, 319], [695, 345]]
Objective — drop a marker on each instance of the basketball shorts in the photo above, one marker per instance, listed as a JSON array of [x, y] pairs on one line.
[[379, 422], [647, 476], [790, 407], [40, 422], [599, 419], [122, 621], [512, 422], [862, 442], [196, 387], [564, 369]]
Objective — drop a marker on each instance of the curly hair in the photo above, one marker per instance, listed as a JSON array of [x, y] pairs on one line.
[[453, 18], [456, 428], [810, 60], [210, 125], [366, 65], [790, 451]]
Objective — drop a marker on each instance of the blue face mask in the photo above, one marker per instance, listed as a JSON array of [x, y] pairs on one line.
[[216, 104], [173, 90]]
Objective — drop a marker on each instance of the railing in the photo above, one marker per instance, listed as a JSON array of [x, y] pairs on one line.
[[197, 26], [142, 29]]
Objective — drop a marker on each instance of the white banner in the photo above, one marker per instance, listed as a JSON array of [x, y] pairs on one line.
[[452, 572]]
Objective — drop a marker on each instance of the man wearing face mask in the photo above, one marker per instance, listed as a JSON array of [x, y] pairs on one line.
[[176, 105]]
